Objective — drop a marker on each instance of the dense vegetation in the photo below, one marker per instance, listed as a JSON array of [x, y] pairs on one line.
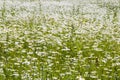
[[59, 40]]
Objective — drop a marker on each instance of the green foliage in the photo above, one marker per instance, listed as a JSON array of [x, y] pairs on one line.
[[39, 46]]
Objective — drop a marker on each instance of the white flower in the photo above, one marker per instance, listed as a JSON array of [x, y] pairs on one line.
[[80, 78]]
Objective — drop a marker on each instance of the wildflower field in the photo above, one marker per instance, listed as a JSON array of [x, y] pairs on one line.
[[59, 39]]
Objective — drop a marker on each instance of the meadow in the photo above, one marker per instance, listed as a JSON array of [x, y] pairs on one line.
[[59, 39]]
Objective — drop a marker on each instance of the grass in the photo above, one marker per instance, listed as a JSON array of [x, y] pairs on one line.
[[64, 44]]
